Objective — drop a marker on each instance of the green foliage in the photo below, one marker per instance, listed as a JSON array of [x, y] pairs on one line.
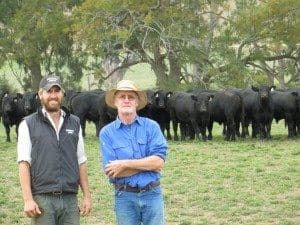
[[38, 37], [228, 40], [259, 78]]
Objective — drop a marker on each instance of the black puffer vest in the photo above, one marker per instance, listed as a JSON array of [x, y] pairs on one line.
[[54, 165]]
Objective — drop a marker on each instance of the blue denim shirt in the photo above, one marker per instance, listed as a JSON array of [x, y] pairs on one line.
[[140, 139]]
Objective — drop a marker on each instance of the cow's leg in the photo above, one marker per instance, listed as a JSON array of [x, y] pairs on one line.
[[230, 135], [262, 131], [255, 128], [209, 129], [182, 131], [290, 123], [7, 131], [169, 137], [175, 128], [268, 130], [83, 122], [203, 132], [237, 127], [195, 128]]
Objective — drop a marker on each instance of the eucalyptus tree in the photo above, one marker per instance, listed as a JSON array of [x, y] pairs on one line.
[[37, 35], [228, 42], [159, 33], [265, 36]]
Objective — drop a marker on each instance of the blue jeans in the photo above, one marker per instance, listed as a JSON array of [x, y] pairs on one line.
[[145, 208], [57, 209]]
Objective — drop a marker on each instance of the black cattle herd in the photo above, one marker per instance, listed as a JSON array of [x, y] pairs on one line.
[[195, 111]]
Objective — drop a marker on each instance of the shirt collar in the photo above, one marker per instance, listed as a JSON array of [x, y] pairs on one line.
[[46, 114], [119, 124]]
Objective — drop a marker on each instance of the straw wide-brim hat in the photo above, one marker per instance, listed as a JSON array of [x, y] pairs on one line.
[[126, 85]]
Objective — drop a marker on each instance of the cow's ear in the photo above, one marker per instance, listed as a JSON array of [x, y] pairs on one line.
[[156, 95], [254, 88], [169, 94], [210, 97], [193, 97], [272, 88]]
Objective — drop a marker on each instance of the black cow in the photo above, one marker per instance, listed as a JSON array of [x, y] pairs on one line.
[[157, 110], [227, 108], [189, 109], [259, 110], [13, 112], [31, 102], [285, 107], [91, 106], [68, 96]]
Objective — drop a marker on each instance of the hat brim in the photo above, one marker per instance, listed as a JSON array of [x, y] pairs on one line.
[[110, 98]]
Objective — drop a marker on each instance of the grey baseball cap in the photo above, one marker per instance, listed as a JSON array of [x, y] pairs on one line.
[[48, 82]]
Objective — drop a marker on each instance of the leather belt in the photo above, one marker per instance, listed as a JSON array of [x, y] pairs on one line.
[[122, 187], [58, 193]]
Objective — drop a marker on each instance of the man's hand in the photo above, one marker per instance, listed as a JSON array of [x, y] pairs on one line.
[[120, 168], [115, 168], [86, 206], [32, 209]]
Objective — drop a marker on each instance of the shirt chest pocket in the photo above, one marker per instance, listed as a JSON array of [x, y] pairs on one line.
[[123, 151], [131, 150]]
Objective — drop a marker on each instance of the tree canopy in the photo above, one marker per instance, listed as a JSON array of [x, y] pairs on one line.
[[186, 43]]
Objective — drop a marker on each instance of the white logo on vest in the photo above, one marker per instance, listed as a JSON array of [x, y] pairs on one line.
[[69, 131]]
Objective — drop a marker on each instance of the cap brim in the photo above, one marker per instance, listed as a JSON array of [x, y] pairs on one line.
[[49, 86]]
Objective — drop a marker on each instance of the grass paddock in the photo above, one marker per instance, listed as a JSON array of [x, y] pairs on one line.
[[215, 182]]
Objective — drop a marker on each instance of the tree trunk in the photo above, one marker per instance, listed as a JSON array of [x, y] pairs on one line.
[[35, 69], [175, 69], [159, 67], [109, 64]]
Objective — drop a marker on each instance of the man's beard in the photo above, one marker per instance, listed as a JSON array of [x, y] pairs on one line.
[[52, 108]]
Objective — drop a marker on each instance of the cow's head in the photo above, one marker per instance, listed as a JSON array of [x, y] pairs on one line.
[[263, 91], [202, 101]]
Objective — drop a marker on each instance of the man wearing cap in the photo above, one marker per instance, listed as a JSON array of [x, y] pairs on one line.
[[133, 154], [52, 161]]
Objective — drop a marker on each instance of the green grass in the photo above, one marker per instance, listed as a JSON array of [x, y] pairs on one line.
[[216, 182]]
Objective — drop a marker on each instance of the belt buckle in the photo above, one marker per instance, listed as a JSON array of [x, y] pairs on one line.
[[57, 192]]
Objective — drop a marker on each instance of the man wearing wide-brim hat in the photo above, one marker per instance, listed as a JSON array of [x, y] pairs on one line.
[[133, 154]]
